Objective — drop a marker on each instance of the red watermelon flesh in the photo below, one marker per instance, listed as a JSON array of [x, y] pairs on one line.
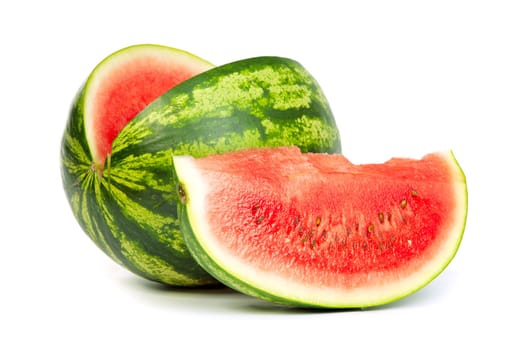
[[315, 229], [118, 91]]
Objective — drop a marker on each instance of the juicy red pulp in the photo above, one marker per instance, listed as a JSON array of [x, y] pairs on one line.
[[327, 218], [128, 91]]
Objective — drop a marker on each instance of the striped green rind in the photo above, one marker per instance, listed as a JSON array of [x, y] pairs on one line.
[[129, 208], [263, 101], [103, 208]]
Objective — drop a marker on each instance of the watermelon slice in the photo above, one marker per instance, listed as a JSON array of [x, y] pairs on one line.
[[316, 230]]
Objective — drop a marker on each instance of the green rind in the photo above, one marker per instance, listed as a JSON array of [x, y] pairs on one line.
[[129, 208], [238, 105], [223, 274], [94, 198]]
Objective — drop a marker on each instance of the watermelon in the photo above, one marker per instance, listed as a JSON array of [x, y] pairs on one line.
[[315, 230], [144, 104]]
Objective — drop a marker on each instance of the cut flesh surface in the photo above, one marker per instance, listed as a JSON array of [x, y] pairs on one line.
[[126, 82], [317, 230]]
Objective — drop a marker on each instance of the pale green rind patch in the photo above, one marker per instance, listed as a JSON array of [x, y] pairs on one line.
[[149, 220], [76, 205], [92, 227], [134, 172], [132, 136], [82, 159], [237, 90], [313, 131], [154, 266], [290, 96], [227, 143]]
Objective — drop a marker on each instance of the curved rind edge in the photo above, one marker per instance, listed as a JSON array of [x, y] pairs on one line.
[[122, 53]]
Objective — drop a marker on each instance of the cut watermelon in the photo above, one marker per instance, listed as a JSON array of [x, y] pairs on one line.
[[121, 188], [126, 82], [316, 230]]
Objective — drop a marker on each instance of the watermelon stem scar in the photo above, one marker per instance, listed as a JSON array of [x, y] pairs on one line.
[[181, 193], [316, 230]]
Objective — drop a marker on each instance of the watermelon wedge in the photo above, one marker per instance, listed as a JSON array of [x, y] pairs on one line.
[[316, 230]]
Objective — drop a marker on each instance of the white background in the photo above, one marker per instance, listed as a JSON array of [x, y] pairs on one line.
[[403, 78]]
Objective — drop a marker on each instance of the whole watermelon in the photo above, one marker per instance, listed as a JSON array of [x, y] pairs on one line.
[[125, 200]]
